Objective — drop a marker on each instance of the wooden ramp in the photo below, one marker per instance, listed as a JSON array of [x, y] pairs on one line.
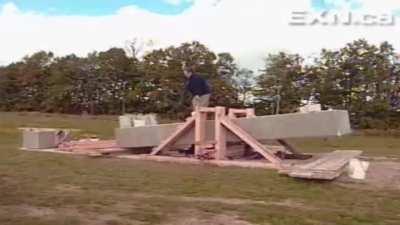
[[328, 167]]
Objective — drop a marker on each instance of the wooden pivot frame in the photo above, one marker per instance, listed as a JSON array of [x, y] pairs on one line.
[[223, 124]]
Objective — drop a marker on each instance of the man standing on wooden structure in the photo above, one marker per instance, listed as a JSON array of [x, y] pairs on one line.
[[198, 87]]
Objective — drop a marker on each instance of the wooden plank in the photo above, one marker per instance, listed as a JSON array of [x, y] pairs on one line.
[[315, 175], [248, 113], [252, 142], [238, 111], [328, 167], [175, 136], [288, 146], [50, 150], [220, 163], [331, 161], [155, 158], [206, 109]]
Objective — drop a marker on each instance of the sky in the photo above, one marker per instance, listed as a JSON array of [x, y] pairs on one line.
[[98, 7], [249, 29]]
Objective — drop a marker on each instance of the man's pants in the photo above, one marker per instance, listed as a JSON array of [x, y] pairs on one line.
[[198, 101], [201, 101]]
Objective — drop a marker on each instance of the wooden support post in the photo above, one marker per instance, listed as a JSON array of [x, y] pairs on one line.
[[250, 113], [200, 131], [220, 134]]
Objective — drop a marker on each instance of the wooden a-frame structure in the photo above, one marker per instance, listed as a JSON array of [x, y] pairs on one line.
[[223, 123]]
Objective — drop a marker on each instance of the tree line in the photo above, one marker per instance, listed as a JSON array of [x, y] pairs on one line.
[[362, 78]]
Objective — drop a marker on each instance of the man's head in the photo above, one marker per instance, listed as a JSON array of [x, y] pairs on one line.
[[188, 71]]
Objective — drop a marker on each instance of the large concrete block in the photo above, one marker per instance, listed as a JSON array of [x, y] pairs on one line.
[[39, 138], [297, 125]]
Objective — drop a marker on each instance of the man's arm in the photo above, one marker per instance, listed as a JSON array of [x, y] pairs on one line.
[[206, 86], [182, 97], [183, 94]]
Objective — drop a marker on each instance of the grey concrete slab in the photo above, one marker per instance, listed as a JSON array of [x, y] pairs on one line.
[[297, 125], [39, 138]]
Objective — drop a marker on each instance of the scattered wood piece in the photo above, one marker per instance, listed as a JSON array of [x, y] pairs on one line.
[[328, 167], [220, 163], [288, 146]]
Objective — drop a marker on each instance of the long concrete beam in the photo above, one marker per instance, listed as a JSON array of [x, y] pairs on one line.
[[297, 125]]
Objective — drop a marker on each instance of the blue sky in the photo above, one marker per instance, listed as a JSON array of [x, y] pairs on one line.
[[96, 7], [107, 7], [230, 25], [327, 5], [321, 5]]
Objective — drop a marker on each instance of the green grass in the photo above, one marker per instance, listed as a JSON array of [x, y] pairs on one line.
[[371, 145], [80, 190]]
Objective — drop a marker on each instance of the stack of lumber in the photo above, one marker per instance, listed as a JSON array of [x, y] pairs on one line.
[[327, 167], [89, 146]]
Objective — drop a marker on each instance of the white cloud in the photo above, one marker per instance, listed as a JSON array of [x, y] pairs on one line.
[[176, 2], [9, 9], [343, 4], [369, 6], [381, 6], [247, 29]]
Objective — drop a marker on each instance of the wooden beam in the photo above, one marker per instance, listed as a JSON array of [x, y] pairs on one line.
[[288, 146], [234, 113], [248, 113], [327, 167], [156, 158], [219, 163], [251, 141], [175, 136], [206, 109]]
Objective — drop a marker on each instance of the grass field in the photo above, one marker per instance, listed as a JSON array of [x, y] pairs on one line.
[[51, 189]]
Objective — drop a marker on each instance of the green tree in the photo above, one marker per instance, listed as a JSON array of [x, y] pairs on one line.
[[31, 76], [244, 82], [9, 88], [120, 75], [359, 78], [283, 75]]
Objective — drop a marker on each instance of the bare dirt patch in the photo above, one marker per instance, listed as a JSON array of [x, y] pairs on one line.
[[68, 215], [68, 188], [193, 217], [380, 174], [75, 216], [384, 175], [289, 203]]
